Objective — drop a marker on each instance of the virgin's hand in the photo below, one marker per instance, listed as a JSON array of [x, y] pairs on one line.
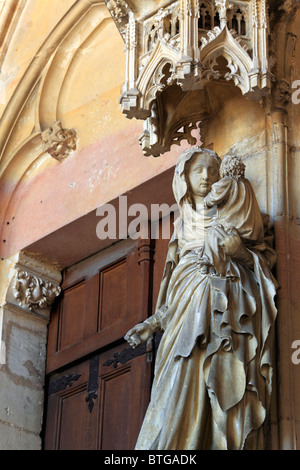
[[138, 334]]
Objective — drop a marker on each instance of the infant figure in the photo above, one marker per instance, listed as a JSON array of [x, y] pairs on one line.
[[237, 211]]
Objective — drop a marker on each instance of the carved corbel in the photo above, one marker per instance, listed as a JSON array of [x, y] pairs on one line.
[[29, 286], [59, 142], [118, 8], [33, 292], [34, 285]]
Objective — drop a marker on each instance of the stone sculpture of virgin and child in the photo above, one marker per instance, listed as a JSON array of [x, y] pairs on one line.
[[216, 309]]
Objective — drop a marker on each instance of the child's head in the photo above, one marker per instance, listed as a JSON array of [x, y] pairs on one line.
[[232, 166]]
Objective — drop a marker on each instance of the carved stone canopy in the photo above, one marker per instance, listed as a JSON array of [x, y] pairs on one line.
[[183, 44]]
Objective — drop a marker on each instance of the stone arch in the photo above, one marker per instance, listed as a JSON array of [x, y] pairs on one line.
[[237, 58], [206, 15], [37, 105], [37, 67], [150, 81]]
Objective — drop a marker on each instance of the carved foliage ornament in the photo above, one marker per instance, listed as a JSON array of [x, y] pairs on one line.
[[118, 9], [59, 142], [32, 292]]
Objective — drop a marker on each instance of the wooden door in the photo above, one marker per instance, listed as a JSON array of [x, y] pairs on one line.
[[96, 399], [95, 406]]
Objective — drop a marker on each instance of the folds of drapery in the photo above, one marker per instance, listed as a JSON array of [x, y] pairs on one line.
[[213, 370], [237, 207]]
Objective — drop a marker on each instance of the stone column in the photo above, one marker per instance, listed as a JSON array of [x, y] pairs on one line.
[[278, 207], [28, 288]]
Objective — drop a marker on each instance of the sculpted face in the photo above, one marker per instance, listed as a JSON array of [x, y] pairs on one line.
[[202, 173]]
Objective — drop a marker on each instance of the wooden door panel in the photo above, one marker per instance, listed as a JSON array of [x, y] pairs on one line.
[[72, 318], [117, 413], [91, 306], [97, 307], [66, 409], [77, 424], [99, 402], [116, 399], [125, 393], [112, 305]]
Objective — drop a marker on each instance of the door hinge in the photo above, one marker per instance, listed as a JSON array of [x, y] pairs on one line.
[[62, 383], [128, 354], [93, 382]]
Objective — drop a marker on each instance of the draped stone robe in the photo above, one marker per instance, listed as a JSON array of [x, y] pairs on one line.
[[213, 371]]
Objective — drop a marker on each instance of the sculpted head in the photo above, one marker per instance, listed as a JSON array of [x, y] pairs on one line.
[[202, 171], [233, 167], [196, 170]]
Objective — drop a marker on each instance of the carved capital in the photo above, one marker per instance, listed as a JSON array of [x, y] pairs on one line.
[[34, 284], [59, 142], [33, 292]]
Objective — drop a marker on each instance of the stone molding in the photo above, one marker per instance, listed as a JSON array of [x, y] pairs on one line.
[[10, 14], [38, 65]]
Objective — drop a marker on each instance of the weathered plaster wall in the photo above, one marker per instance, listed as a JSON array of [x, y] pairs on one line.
[[80, 87], [34, 25], [53, 194]]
